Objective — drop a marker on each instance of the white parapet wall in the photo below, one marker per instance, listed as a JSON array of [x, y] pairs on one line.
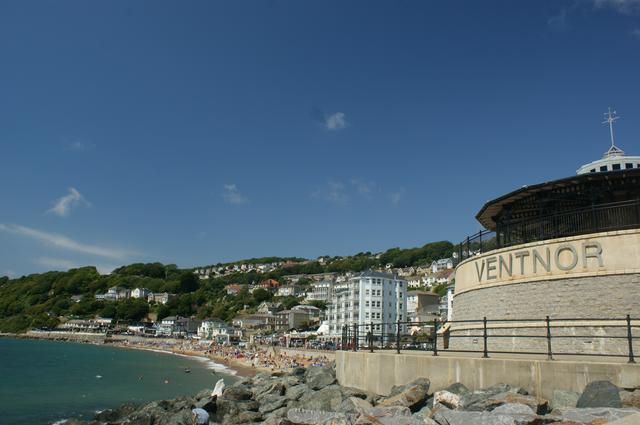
[[379, 372]]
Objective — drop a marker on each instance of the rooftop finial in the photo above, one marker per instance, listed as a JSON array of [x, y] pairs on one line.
[[610, 118]]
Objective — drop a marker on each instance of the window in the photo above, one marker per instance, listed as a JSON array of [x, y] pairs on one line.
[[603, 168], [366, 315], [628, 165], [400, 305], [593, 170], [366, 292], [615, 166], [366, 303]]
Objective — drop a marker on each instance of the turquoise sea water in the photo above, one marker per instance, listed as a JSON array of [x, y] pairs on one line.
[[42, 382]]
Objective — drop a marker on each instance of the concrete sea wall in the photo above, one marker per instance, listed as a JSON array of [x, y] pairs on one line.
[[378, 372]]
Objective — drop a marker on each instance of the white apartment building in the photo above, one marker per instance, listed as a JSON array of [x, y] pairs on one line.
[[368, 298], [321, 291], [446, 303]]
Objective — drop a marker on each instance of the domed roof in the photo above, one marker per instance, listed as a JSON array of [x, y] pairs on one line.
[[614, 159]]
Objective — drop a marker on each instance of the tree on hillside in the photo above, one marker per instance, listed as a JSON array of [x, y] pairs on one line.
[[260, 295], [189, 282], [108, 310], [319, 304], [162, 312], [289, 302], [132, 310]]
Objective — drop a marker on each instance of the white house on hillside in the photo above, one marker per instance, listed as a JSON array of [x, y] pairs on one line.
[[441, 264], [140, 293]]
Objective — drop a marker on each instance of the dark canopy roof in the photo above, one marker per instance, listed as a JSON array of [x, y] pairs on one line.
[[488, 213]]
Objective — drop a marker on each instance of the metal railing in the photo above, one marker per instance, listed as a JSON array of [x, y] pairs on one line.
[[588, 219], [483, 241], [395, 336], [591, 219]]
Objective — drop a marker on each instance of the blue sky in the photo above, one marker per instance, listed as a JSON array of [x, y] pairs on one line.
[[205, 131]]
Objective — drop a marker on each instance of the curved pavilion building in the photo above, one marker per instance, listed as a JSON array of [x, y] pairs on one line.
[[567, 249]]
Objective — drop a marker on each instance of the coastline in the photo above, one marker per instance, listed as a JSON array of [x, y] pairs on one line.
[[232, 360], [230, 367]]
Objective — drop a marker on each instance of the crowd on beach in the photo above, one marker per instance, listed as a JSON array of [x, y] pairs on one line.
[[266, 357], [254, 357]]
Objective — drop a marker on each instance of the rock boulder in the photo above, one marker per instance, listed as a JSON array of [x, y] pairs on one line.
[[600, 394], [318, 377]]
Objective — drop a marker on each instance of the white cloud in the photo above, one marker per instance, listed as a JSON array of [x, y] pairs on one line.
[[61, 241], [558, 21], [10, 274], [397, 196], [62, 206], [232, 195], [627, 7], [105, 269], [56, 263], [365, 189], [336, 121], [334, 192]]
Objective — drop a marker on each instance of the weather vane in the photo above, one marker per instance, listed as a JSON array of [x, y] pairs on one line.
[[610, 118]]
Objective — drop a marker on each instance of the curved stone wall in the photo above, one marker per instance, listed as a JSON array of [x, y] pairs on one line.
[[594, 297], [589, 278]]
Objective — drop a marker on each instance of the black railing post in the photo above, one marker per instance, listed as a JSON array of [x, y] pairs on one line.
[[630, 339], [549, 353], [485, 352], [344, 338], [398, 338], [435, 337], [468, 247], [355, 337], [371, 337]]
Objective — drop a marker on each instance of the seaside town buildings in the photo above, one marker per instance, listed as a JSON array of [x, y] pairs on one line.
[[422, 306], [140, 293], [368, 298], [219, 331], [118, 293]]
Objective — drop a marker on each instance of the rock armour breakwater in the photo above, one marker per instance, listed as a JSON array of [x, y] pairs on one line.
[[311, 396]]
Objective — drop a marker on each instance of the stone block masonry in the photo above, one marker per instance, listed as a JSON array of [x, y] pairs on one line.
[[589, 300]]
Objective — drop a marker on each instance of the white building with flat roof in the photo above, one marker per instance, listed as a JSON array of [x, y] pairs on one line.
[[368, 298], [321, 291]]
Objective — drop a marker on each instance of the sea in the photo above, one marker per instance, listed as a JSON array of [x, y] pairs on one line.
[[45, 382]]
